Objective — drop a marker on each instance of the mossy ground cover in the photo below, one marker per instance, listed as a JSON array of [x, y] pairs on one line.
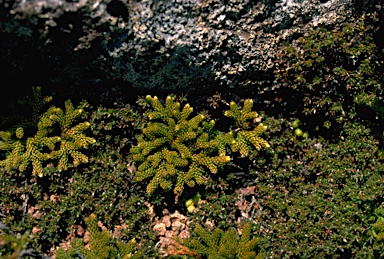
[[317, 193]]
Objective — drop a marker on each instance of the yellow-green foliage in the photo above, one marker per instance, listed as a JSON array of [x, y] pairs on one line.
[[47, 144], [243, 137], [101, 245], [224, 245], [174, 147], [177, 148]]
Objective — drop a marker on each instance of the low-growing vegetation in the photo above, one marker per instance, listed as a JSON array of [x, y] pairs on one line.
[[248, 179]]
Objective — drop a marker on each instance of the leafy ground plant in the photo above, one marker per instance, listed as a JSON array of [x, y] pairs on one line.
[[53, 206], [47, 145], [101, 245], [175, 149], [336, 75], [219, 244], [318, 197]]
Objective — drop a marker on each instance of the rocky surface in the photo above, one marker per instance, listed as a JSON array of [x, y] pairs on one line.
[[194, 42], [152, 44]]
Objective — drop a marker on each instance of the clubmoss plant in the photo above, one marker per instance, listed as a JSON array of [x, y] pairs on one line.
[[47, 144], [176, 149], [172, 142], [244, 139], [219, 244], [101, 245], [54, 205]]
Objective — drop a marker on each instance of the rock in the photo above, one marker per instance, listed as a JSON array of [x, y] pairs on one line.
[[178, 226], [170, 234], [160, 229], [177, 216], [153, 44], [166, 220]]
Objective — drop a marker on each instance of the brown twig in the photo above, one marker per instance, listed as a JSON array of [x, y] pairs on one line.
[[182, 250]]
